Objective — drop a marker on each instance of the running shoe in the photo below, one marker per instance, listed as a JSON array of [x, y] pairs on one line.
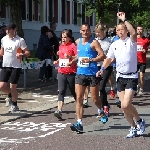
[[140, 127], [112, 93], [118, 103], [77, 127], [8, 101], [132, 133], [58, 114], [140, 92], [85, 104], [103, 117], [106, 111], [13, 109]]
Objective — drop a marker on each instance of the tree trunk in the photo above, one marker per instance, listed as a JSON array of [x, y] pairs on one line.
[[16, 14], [100, 4]]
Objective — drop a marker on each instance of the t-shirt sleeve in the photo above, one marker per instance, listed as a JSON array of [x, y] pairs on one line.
[[110, 53], [23, 44], [74, 49]]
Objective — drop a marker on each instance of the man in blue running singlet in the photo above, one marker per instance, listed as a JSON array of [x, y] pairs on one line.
[[89, 53]]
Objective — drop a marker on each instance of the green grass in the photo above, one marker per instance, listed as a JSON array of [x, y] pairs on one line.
[[32, 57]]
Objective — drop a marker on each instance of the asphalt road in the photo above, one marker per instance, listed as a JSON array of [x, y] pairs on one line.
[[45, 132]]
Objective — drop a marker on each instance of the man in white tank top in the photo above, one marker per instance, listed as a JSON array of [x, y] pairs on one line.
[[13, 48], [125, 52]]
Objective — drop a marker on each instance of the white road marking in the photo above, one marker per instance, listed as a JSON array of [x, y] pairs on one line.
[[33, 102], [41, 130]]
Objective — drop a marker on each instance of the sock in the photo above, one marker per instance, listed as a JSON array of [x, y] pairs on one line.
[[60, 111], [14, 103], [141, 89], [9, 95], [100, 110], [139, 121], [80, 121], [112, 88], [85, 100]]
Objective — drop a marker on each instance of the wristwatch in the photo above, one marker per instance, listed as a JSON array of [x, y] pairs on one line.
[[102, 68], [91, 60]]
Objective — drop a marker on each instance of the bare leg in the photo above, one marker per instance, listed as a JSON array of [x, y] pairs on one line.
[[127, 107], [80, 90]]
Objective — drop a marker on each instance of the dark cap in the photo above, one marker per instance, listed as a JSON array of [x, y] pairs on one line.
[[10, 26]]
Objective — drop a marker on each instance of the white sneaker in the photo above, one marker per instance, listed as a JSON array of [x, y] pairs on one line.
[[132, 133], [140, 127], [8, 101], [140, 92], [13, 109]]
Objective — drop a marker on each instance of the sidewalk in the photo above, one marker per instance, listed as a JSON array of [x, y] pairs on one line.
[[40, 96]]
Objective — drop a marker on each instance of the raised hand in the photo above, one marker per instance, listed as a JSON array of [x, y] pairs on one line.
[[121, 16]]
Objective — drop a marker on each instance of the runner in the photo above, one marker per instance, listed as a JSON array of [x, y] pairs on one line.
[[125, 52], [86, 98], [13, 48], [142, 46], [88, 49], [66, 74], [100, 31]]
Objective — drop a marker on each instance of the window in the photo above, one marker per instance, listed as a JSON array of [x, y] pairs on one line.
[[23, 10], [55, 11], [63, 17], [30, 9], [2, 11], [68, 12], [50, 10], [75, 13], [83, 13], [35, 11], [79, 15]]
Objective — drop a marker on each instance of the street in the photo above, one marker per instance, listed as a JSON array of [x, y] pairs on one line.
[[36, 128], [42, 131]]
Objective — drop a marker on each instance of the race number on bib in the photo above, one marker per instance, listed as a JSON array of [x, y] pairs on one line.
[[81, 64], [139, 47], [63, 62]]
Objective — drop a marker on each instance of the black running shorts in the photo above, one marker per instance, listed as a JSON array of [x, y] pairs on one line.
[[11, 74], [87, 80], [127, 83]]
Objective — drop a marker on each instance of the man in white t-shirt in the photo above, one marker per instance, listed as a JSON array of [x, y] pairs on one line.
[[13, 48], [125, 52]]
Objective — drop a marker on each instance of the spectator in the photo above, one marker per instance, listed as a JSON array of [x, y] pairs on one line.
[[44, 49]]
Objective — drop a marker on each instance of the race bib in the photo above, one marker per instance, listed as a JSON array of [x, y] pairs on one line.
[[139, 48], [81, 64], [63, 62]]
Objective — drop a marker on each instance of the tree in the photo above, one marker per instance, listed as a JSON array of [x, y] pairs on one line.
[[16, 13], [137, 11]]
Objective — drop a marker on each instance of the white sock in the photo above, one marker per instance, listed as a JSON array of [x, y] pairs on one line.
[[85, 100], [80, 121], [141, 89], [112, 88], [100, 110]]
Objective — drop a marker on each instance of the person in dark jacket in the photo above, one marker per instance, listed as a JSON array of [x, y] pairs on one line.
[[45, 47]]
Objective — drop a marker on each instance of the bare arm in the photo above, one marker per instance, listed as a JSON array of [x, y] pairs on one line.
[[97, 47], [26, 52], [133, 35], [1, 52]]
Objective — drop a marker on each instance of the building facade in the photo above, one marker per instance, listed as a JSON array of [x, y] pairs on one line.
[[66, 13]]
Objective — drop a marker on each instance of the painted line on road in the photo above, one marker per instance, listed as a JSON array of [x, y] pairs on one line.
[[40, 130]]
